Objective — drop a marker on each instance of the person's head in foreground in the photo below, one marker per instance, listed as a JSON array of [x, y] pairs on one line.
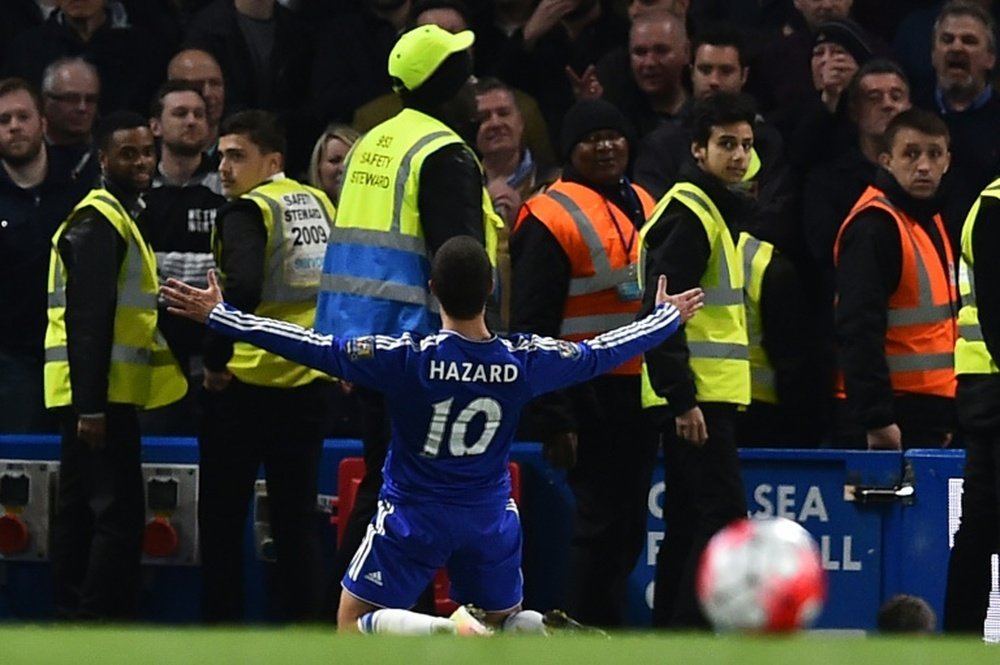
[[905, 613]]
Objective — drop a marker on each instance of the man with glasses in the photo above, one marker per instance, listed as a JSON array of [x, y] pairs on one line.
[[70, 93], [574, 255]]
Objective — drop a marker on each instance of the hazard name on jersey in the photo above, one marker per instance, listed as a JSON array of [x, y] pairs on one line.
[[446, 370]]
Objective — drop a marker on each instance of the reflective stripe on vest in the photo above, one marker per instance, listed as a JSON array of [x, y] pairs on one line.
[[600, 243], [297, 221], [717, 337], [756, 255], [971, 354], [921, 330]]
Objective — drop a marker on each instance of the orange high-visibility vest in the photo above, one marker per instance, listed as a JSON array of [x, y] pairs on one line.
[[602, 245], [921, 331]]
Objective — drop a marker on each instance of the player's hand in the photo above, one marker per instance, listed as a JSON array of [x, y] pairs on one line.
[[885, 438], [92, 430], [216, 382], [688, 303], [559, 450], [190, 301], [691, 426]]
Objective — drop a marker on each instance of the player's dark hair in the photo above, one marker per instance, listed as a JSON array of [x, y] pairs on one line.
[[462, 277], [116, 121], [922, 121], [261, 127], [721, 109]]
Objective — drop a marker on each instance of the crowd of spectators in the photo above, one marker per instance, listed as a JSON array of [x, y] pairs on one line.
[[827, 76]]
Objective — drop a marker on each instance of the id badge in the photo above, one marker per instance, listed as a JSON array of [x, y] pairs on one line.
[[629, 289]]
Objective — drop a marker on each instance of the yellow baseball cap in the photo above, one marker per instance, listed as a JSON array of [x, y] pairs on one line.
[[419, 53]]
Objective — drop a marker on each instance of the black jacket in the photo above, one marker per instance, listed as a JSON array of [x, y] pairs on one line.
[[867, 273], [92, 251], [30, 217], [677, 246]]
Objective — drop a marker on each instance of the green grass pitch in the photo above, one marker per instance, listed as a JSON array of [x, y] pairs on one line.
[[294, 646]]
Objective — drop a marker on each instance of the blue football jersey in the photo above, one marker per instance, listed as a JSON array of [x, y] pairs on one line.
[[454, 402]]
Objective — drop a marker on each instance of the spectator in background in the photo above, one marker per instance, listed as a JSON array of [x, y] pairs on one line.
[[560, 47], [964, 53], [820, 127], [351, 52], [200, 68], [500, 141], [179, 217], [104, 360], [905, 613], [70, 92], [877, 94], [127, 58], [326, 166], [36, 194], [718, 66], [574, 253], [652, 92], [512, 172], [266, 53], [896, 299]]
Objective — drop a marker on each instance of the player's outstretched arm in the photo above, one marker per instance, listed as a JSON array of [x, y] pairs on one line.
[[283, 338], [564, 363]]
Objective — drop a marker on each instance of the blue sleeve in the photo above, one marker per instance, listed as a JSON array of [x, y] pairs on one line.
[[553, 364], [371, 361]]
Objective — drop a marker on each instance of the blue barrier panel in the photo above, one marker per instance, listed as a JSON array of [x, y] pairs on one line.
[[917, 562], [871, 550], [809, 487]]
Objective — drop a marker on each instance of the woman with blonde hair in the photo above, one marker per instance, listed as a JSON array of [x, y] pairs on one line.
[[326, 165]]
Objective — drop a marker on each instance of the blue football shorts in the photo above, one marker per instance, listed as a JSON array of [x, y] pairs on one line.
[[406, 544]]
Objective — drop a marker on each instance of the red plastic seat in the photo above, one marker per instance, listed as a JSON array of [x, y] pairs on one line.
[[349, 474]]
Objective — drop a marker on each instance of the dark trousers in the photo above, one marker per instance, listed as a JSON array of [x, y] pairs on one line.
[[611, 479], [97, 531], [978, 537], [703, 493], [281, 428]]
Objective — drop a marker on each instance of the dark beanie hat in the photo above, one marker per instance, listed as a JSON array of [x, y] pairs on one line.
[[586, 116], [847, 34]]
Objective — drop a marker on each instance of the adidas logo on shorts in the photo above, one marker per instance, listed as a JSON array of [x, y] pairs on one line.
[[374, 577]]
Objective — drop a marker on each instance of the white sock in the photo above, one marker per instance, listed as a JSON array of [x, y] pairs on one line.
[[525, 621], [403, 622]]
